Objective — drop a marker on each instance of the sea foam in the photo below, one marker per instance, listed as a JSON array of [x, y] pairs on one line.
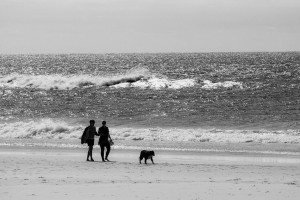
[[158, 83], [52, 129], [44, 128], [226, 84]]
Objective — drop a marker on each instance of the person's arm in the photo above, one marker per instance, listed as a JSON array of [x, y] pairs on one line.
[[97, 134], [108, 134]]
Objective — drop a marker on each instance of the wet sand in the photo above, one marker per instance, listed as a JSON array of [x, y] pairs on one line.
[[57, 173]]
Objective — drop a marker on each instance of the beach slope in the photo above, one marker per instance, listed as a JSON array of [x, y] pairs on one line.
[[39, 173]]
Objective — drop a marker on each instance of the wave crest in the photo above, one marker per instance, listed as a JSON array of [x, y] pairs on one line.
[[158, 83], [63, 82], [139, 77]]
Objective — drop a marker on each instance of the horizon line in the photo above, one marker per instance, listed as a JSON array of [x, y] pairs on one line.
[[170, 52]]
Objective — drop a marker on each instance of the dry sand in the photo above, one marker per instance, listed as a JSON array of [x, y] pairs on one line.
[[40, 173]]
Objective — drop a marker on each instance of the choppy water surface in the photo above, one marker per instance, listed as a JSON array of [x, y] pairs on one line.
[[200, 97]]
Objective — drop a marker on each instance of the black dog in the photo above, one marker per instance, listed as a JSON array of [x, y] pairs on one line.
[[146, 155]]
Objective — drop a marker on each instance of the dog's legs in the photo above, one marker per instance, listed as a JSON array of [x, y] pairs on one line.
[[152, 160], [145, 160], [141, 157], [140, 160]]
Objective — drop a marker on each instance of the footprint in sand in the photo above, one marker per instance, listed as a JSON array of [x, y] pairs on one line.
[[291, 183]]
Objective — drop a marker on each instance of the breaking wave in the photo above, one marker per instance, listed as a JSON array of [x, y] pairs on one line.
[[142, 81], [51, 129], [45, 128], [67, 82], [158, 83], [139, 77]]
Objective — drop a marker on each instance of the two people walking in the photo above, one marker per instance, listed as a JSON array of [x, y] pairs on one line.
[[105, 140]]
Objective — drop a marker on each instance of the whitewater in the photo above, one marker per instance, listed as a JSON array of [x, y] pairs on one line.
[[50, 129], [138, 80]]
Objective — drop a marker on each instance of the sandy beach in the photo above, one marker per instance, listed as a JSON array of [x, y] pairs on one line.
[[57, 173]]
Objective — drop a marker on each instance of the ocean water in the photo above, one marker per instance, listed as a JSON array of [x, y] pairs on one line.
[[176, 101]]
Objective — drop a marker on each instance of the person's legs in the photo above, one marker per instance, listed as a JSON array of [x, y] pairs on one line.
[[88, 155], [102, 152], [107, 150], [91, 152]]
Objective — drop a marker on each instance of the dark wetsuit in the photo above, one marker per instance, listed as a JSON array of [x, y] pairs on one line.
[[103, 141]]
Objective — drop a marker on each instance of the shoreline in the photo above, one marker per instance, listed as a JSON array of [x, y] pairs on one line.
[[165, 156], [275, 149]]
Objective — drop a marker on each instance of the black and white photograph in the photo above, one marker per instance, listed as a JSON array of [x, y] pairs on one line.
[[150, 99]]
